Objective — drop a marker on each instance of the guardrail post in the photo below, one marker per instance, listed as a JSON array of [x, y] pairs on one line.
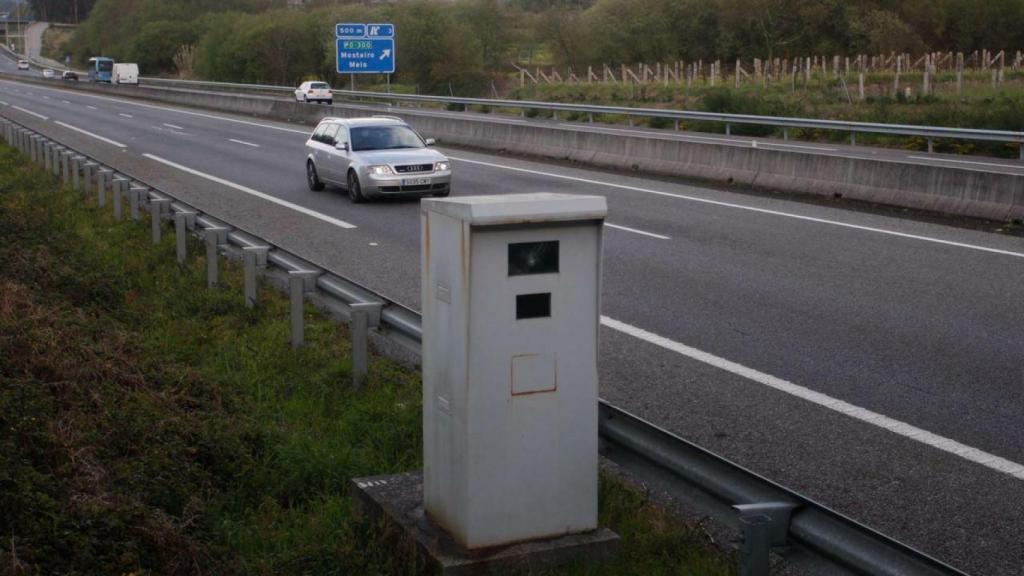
[[214, 236], [754, 559], [43, 158], [785, 133], [135, 195], [254, 257], [365, 315], [297, 290], [103, 179], [55, 156], [764, 525], [117, 189], [590, 118], [76, 172], [182, 222], [65, 165], [931, 146], [728, 129], [89, 175], [853, 138], [156, 212]]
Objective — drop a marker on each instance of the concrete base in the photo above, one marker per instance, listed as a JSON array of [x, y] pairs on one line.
[[397, 500]]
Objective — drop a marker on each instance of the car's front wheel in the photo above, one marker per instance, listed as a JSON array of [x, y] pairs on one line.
[[355, 191], [312, 178]]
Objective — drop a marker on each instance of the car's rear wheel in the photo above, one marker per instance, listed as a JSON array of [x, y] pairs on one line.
[[312, 178], [355, 191]]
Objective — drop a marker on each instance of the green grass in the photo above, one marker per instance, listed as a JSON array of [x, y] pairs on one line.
[[151, 426]]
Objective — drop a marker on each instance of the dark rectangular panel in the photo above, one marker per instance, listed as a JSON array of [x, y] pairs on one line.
[[533, 258], [533, 305]]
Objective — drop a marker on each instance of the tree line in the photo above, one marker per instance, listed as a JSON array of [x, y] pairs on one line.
[[462, 46]]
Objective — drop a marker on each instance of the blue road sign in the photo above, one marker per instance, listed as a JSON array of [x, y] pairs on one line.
[[350, 30], [380, 30], [366, 55]]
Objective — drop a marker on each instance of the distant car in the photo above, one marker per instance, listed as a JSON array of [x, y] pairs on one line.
[[375, 157], [314, 92], [49, 73], [69, 75], [22, 64]]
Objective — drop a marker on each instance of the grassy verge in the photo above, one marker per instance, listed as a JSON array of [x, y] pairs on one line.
[[982, 106], [148, 426]]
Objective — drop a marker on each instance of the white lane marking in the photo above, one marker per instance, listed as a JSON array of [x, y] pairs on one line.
[[125, 115], [65, 102], [796, 146], [748, 208], [244, 142], [4, 103], [667, 136], [91, 107], [46, 97], [87, 133], [173, 126], [874, 418], [37, 115], [635, 231], [258, 194], [971, 162], [190, 113]]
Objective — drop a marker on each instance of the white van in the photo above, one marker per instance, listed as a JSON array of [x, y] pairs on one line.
[[126, 73]]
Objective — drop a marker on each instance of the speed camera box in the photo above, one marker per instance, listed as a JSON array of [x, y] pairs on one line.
[[511, 301]]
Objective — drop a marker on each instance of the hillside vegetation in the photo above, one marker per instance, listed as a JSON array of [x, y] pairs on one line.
[[467, 42], [472, 48]]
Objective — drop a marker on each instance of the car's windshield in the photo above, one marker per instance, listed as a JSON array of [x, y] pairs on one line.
[[105, 66], [384, 138]]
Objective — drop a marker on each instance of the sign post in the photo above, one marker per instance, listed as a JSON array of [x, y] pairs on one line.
[[365, 49]]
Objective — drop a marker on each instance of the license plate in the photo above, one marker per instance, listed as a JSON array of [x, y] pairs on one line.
[[415, 181]]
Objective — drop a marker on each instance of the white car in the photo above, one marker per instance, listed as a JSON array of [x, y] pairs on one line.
[[314, 92], [49, 73], [22, 64], [374, 158]]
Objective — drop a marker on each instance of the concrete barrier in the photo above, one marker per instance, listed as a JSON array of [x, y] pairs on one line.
[[948, 190]]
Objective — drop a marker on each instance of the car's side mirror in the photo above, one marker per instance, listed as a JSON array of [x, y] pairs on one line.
[[431, 141], [341, 146]]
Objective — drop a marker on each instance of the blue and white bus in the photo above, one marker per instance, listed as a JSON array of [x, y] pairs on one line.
[[100, 69]]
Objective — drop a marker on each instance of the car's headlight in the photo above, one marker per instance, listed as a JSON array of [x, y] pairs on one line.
[[380, 170], [443, 166]]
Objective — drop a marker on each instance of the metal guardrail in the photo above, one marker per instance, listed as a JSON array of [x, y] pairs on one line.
[[930, 133], [768, 514]]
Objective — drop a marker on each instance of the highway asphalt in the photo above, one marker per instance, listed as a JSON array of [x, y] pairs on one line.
[[875, 364]]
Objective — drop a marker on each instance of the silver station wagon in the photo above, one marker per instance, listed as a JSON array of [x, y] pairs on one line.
[[375, 157]]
